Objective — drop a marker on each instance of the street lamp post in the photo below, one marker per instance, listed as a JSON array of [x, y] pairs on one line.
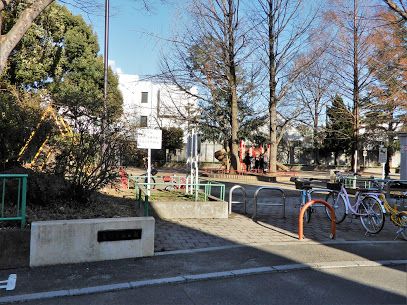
[[106, 53], [106, 65]]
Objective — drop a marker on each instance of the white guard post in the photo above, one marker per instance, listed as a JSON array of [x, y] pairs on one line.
[[150, 139], [10, 284], [383, 159], [192, 160]]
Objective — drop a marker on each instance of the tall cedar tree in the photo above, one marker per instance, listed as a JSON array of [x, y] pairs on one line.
[[339, 128]]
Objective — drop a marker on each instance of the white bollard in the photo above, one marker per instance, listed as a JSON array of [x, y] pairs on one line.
[[10, 284]]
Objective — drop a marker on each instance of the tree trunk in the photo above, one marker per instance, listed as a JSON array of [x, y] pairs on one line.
[[315, 139], [390, 152], [9, 40], [355, 146], [234, 153], [235, 126], [272, 88]]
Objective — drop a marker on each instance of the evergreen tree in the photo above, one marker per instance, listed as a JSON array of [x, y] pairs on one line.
[[57, 62], [339, 128]]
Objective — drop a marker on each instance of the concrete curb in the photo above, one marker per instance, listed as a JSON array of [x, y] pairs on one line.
[[193, 278], [277, 243]]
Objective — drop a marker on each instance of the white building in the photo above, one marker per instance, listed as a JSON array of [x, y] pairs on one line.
[[151, 104]]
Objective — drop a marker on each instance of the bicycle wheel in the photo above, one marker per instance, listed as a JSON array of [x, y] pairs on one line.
[[372, 216], [338, 203]]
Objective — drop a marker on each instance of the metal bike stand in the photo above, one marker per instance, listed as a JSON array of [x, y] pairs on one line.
[[235, 187], [268, 204]]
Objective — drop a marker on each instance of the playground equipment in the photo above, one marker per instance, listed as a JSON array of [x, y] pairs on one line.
[[43, 153]]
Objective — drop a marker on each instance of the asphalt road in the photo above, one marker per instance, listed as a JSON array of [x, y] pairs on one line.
[[361, 285]]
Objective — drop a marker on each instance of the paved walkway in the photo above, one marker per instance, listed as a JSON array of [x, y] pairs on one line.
[[177, 234], [270, 227]]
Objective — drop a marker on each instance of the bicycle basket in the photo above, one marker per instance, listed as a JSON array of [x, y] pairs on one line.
[[334, 186]]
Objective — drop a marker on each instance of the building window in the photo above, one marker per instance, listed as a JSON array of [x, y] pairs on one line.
[[143, 121], [144, 97]]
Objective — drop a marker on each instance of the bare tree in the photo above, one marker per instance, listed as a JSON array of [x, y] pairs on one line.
[[314, 92], [352, 22], [284, 34], [211, 56], [400, 9]]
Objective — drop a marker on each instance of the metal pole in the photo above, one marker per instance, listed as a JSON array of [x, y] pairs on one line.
[[149, 172], [106, 53], [192, 162], [196, 165], [106, 66], [383, 170]]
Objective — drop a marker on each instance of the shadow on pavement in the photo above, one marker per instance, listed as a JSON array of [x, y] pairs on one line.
[[241, 254]]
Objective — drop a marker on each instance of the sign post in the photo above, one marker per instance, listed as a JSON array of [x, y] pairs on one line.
[[193, 151], [383, 158], [150, 139]]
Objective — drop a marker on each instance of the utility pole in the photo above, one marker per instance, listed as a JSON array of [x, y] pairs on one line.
[[106, 67]]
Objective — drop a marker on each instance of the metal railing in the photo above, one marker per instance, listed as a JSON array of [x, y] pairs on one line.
[[208, 186], [238, 187], [140, 193], [13, 197], [142, 196], [354, 182], [256, 194], [175, 180]]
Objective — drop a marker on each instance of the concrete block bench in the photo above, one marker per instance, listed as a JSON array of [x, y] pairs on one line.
[[190, 209]]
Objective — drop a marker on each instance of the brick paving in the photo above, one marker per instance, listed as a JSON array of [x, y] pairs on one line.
[[181, 234]]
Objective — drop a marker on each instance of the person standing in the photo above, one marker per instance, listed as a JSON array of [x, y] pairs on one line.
[[266, 161], [247, 161]]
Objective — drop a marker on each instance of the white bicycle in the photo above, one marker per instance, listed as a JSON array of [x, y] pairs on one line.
[[367, 206]]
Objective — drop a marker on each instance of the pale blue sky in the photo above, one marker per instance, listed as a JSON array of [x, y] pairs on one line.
[[132, 49]]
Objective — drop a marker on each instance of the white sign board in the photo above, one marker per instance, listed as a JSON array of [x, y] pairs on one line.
[[149, 138], [364, 153], [382, 155]]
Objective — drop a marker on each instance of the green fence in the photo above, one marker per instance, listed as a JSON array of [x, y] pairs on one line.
[[13, 197], [204, 186]]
